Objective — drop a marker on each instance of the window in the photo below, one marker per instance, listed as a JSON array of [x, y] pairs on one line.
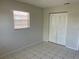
[[21, 19]]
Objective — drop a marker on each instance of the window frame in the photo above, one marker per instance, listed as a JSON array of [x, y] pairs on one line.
[[27, 25]]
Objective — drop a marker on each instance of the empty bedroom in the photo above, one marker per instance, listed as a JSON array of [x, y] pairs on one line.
[[39, 29]]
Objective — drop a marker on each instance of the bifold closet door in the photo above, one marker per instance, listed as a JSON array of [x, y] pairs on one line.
[[52, 28], [57, 30]]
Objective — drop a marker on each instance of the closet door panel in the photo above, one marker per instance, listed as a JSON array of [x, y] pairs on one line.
[[52, 29], [57, 31], [61, 28]]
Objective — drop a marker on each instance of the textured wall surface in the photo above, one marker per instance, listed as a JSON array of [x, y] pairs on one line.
[[11, 39]]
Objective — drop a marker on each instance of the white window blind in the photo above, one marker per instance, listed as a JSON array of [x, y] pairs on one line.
[[21, 19]]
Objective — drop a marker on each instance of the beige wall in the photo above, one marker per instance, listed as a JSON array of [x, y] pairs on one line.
[[10, 39], [72, 26]]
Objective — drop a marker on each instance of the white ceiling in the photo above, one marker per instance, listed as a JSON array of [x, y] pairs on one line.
[[48, 3]]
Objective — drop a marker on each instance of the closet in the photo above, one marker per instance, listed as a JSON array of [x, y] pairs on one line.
[[58, 28]]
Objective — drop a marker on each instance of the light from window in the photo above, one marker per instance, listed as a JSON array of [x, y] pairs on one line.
[[21, 19]]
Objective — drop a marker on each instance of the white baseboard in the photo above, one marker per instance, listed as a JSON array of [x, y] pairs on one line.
[[19, 49], [76, 49]]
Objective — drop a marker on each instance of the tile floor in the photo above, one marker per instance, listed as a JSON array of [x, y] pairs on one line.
[[45, 50]]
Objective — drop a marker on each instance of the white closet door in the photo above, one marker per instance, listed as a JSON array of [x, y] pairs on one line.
[[57, 32], [61, 28], [52, 29]]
